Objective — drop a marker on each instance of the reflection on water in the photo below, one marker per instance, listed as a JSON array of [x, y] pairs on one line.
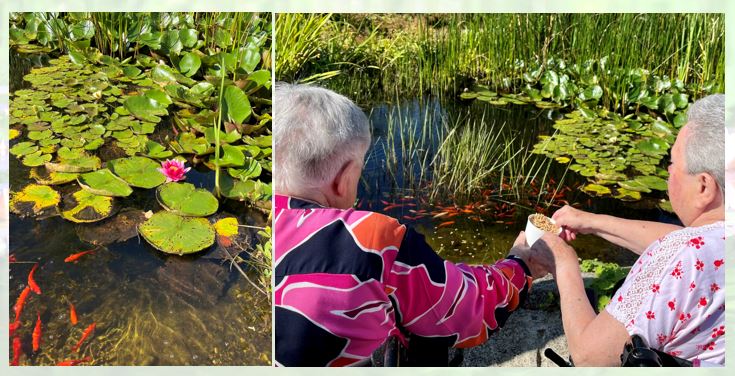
[[477, 229]]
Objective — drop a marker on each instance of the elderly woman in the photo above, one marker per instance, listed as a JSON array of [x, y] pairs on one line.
[[347, 280], [674, 295]]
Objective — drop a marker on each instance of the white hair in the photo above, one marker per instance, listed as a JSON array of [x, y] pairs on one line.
[[316, 131], [705, 145]]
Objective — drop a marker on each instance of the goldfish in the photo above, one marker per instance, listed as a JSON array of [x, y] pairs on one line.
[[85, 334], [37, 333], [76, 256], [74, 362], [444, 224], [392, 206], [72, 314], [13, 327], [18, 308], [17, 345], [440, 215], [32, 283]]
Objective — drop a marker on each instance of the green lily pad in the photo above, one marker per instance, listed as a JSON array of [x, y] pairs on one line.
[[156, 150], [237, 189], [653, 146], [104, 183], [652, 182], [83, 163], [23, 148], [34, 199], [36, 159], [189, 64], [172, 233], [633, 185], [83, 206], [236, 104], [138, 171], [232, 157], [596, 190], [45, 177], [145, 108], [627, 195], [251, 170], [185, 199]]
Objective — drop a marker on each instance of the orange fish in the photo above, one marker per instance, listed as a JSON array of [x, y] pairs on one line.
[[16, 351], [72, 314], [444, 224], [392, 206], [18, 308], [37, 333], [32, 283], [74, 362], [86, 334], [13, 327], [76, 256]]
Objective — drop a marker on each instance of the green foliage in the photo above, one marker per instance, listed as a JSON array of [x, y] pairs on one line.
[[607, 274]]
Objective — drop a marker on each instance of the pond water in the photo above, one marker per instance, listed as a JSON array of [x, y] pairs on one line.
[[150, 308], [477, 228]]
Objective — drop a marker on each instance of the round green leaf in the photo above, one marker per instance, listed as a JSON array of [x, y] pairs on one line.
[[185, 199], [189, 64], [236, 104], [104, 183], [85, 207], [138, 171], [652, 182], [172, 233], [34, 199]]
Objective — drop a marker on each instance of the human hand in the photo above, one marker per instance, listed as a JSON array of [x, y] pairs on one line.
[[561, 252], [539, 262], [572, 221]]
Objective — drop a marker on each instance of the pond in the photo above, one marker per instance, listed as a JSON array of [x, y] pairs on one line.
[[399, 178], [148, 307]]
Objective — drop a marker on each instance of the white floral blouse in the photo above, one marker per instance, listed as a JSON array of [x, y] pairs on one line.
[[674, 295]]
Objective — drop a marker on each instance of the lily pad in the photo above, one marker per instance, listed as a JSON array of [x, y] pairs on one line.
[[226, 226], [653, 182], [145, 108], [185, 199], [36, 159], [23, 148], [633, 185], [104, 183], [86, 207], [172, 233], [596, 190], [236, 104], [82, 163], [45, 177], [34, 199], [156, 150], [138, 171]]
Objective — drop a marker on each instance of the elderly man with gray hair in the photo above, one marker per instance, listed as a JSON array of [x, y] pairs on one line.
[[674, 295], [347, 280]]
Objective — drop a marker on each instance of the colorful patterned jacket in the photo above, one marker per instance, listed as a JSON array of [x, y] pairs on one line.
[[347, 280]]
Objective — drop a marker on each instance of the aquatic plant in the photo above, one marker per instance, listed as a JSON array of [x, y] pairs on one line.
[[126, 90]]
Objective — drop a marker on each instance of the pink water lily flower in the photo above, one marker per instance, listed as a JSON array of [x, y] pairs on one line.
[[173, 170]]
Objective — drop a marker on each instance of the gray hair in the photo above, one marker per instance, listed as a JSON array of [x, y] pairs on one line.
[[705, 145], [316, 131]]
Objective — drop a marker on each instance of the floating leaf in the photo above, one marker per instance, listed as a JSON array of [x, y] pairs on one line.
[[596, 190], [236, 104], [189, 64], [104, 183], [23, 148], [145, 108], [627, 195], [45, 177], [33, 200], [232, 156], [653, 146], [652, 182], [226, 227], [633, 185], [138, 171], [36, 159], [82, 163], [172, 233], [185, 199], [85, 207], [156, 150]]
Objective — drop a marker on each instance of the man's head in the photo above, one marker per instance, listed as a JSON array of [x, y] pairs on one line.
[[320, 141], [697, 170]]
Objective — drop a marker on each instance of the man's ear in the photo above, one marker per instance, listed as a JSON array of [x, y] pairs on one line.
[[341, 183], [709, 192]]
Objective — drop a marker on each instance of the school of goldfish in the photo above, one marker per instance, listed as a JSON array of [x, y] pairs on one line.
[[36, 335], [488, 207]]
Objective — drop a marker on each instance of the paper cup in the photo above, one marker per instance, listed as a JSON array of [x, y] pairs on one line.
[[534, 233]]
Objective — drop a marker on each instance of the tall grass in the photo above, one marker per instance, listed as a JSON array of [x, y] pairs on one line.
[[424, 54]]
